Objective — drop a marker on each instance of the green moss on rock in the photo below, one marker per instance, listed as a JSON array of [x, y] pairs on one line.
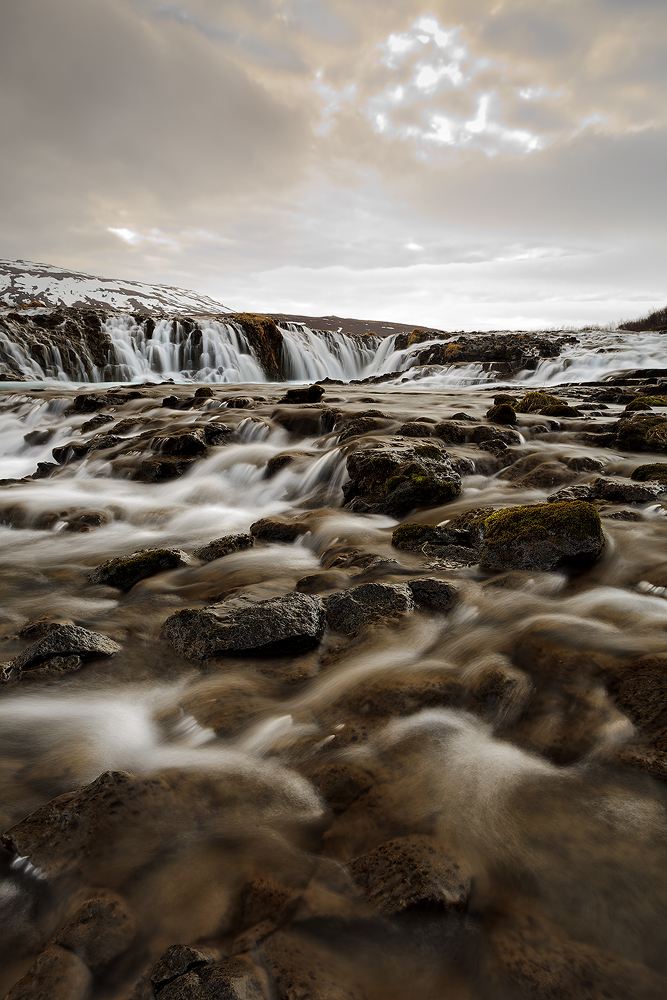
[[533, 402], [504, 397], [560, 410], [407, 536], [652, 472], [542, 537], [502, 413], [642, 432], [645, 403]]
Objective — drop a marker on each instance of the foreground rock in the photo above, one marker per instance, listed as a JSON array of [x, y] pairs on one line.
[[351, 610], [411, 873], [543, 537], [124, 571], [395, 476], [288, 624], [66, 645], [220, 547]]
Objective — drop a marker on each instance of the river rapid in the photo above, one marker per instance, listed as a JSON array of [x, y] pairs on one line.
[[437, 803]]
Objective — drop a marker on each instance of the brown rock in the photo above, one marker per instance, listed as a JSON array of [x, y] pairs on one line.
[[410, 873], [101, 930], [56, 975]]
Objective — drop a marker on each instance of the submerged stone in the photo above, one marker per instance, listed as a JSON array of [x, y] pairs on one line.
[[543, 537], [286, 624]]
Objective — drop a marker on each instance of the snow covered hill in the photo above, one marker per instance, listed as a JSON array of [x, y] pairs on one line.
[[24, 283]]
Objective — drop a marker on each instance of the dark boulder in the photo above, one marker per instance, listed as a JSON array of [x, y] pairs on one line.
[[307, 394], [542, 537], [533, 402], [220, 547], [61, 640], [642, 432], [163, 468], [486, 433], [610, 490], [501, 413], [286, 624], [186, 442], [278, 529], [641, 693], [655, 472], [433, 594], [394, 477], [351, 610], [124, 571], [363, 425]]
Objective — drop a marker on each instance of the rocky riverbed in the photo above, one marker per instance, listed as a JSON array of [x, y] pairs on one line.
[[347, 692]]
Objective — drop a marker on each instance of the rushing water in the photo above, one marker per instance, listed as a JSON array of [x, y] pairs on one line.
[[528, 788]]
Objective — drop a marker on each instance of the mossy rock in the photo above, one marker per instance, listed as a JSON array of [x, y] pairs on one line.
[[542, 537], [504, 397], [124, 571], [642, 432], [645, 403], [652, 472], [220, 547], [502, 413], [204, 392], [266, 340], [533, 402], [394, 477], [560, 410], [413, 535]]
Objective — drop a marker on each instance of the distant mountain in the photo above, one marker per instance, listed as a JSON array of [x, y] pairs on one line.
[[24, 284]]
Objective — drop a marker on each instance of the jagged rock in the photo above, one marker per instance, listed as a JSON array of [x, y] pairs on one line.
[[72, 450], [220, 547], [434, 594], [124, 571], [307, 394], [175, 962], [542, 537], [501, 413], [610, 490], [61, 640], [45, 470], [186, 442], [411, 873], [350, 610], [286, 624], [652, 472], [57, 974], [394, 477], [278, 529], [101, 930], [162, 469]]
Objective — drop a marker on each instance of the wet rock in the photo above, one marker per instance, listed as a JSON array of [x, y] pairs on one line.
[[88, 402], [340, 783], [411, 873], [278, 529], [34, 438], [415, 428], [162, 469], [57, 974], [72, 450], [623, 515], [185, 442], [433, 594], [544, 537], [582, 463], [387, 693], [610, 490], [101, 930], [308, 394], [393, 477], [220, 547], [86, 520], [652, 472], [486, 433], [45, 470], [645, 403], [642, 432], [351, 610], [240, 403], [175, 962], [267, 342], [533, 402], [501, 413], [518, 350], [363, 425], [533, 471], [61, 640], [124, 571], [204, 392], [641, 693], [288, 624], [449, 432], [217, 433], [306, 423], [503, 397], [559, 410], [318, 583]]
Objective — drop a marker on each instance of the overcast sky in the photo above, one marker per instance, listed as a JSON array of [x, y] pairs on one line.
[[467, 164]]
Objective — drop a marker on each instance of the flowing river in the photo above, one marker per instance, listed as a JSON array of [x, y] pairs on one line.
[[455, 800]]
